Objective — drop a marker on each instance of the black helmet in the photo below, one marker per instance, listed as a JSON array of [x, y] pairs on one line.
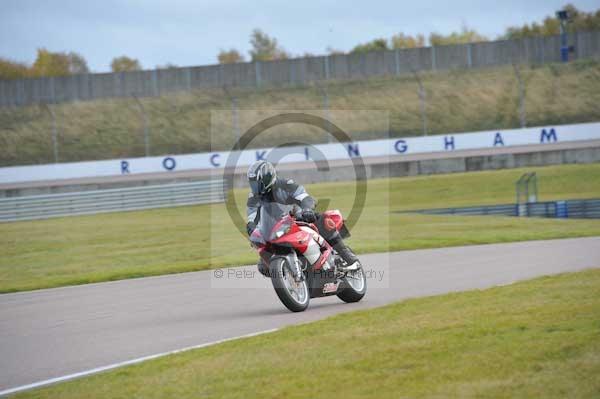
[[261, 176]]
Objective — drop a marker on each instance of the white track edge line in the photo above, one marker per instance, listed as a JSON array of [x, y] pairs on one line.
[[127, 363]]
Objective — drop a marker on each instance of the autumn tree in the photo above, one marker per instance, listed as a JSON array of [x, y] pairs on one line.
[[465, 35], [47, 63], [399, 41], [579, 21], [125, 64], [402, 40], [230, 56], [265, 48], [373, 45], [50, 63], [13, 70], [77, 64]]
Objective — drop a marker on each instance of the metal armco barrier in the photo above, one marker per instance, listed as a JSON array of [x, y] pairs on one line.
[[575, 209], [112, 200]]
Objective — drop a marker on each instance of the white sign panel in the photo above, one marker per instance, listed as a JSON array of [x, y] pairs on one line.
[[332, 151]]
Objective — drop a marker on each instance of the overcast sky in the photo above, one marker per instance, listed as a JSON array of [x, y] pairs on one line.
[[191, 32]]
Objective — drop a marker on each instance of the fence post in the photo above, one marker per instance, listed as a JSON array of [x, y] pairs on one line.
[[576, 45], [145, 123], [117, 84], [422, 101], [325, 95], [54, 131], [469, 55], [292, 73], [52, 90], [522, 115], [188, 78], [22, 100], [257, 73], [3, 94], [326, 67], [234, 118], [397, 61], [433, 60], [155, 92]]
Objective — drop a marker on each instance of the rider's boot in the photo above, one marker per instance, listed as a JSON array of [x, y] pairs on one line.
[[347, 255]]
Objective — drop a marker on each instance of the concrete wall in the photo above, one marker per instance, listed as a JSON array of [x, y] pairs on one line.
[[298, 71], [396, 167]]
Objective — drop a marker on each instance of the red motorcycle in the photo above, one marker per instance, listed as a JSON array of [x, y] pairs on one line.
[[302, 265]]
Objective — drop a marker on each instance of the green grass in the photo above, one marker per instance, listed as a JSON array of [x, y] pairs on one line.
[[76, 250], [457, 101], [534, 339]]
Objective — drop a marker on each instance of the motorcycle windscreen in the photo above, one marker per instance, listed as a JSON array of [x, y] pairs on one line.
[[270, 214]]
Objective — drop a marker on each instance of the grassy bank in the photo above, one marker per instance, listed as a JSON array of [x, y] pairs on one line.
[[539, 339], [76, 250], [457, 101]]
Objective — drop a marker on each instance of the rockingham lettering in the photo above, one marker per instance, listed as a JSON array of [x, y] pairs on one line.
[[353, 150], [401, 146], [548, 135], [329, 152], [125, 167], [260, 155], [169, 163], [498, 139]]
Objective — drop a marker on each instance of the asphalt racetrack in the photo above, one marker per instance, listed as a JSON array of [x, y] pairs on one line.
[[58, 332]]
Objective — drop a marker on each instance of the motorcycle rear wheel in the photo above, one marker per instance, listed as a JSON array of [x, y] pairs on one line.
[[294, 295], [354, 286]]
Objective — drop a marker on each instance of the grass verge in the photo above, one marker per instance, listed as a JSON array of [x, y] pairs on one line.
[[77, 250], [539, 338]]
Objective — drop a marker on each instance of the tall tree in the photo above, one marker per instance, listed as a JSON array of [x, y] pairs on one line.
[[47, 63], [265, 48], [579, 21], [77, 64], [465, 35], [401, 40], [230, 56], [13, 70], [125, 64], [50, 64], [373, 45]]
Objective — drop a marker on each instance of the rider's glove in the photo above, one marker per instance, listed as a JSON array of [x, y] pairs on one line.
[[250, 227], [308, 215]]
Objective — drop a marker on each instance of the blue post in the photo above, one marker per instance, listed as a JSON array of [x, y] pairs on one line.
[[564, 47], [563, 16]]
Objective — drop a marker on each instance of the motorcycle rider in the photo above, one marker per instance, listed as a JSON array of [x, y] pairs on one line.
[[266, 186]]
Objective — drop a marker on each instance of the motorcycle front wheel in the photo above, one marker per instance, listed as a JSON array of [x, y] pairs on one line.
[[293, 294]]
